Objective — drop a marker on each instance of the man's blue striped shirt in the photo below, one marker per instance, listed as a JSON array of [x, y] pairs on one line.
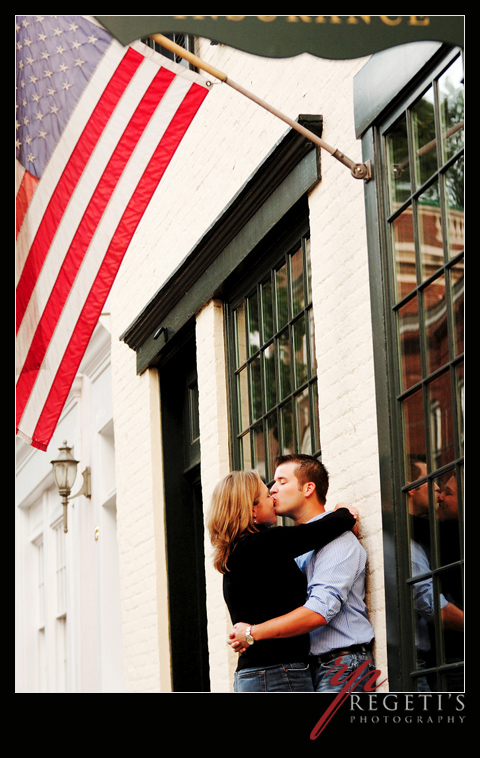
[[336, 590]]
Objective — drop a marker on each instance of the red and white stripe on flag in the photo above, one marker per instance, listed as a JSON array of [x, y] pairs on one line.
[[78, 217]]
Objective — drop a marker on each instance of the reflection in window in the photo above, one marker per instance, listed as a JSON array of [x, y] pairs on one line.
[[404, 253], [450, 88], [436, 325], [454, 199], [425, 144], [430, 231], [425, 216], [398, 164], [409, 343], [436, 578], [442, 430], [450, 578], [414, 428]]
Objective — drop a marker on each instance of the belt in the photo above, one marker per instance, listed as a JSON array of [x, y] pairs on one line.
[[325, 657]]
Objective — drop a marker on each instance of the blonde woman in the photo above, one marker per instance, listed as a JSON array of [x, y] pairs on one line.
[[261, 579]]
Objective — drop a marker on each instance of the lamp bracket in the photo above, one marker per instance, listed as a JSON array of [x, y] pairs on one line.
[[86, 486]]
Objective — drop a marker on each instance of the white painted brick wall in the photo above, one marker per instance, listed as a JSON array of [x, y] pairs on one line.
[[228, 139], [344, 348], [213, 407]]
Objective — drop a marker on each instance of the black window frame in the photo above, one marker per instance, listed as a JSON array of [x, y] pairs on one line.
[[406, 673], [290, 238]]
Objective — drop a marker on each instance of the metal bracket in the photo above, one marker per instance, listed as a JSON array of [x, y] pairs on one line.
[[162, 332], [86, 486], [363, 171], [358, 170]]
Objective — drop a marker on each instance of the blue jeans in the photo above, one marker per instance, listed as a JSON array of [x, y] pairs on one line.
[[284, 677], [322, 673]]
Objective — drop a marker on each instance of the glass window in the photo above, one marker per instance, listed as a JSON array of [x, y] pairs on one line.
[[423, 162], [187, 41], [275, 383]]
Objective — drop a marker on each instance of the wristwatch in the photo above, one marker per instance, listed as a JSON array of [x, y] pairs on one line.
[[248, 635]]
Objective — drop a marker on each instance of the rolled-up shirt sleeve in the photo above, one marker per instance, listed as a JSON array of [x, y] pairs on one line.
[[331, 576]]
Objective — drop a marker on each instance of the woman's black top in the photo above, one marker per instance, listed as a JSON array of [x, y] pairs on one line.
[[263, 581]]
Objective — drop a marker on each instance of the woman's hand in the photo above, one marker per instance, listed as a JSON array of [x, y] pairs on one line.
[[236, 638], [354, 513]]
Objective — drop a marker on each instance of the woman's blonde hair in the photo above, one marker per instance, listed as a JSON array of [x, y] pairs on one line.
[[231, 513]]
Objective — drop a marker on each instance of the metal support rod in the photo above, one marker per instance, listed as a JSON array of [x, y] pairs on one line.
[[65, 505], [358, 170]]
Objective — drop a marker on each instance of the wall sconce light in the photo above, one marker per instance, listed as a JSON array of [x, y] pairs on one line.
[[64, 473]]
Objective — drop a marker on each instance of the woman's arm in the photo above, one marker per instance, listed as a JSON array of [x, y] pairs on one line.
[[300, 621], [297, 540]]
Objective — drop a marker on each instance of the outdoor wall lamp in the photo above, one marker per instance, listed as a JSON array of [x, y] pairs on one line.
[[64, 473]]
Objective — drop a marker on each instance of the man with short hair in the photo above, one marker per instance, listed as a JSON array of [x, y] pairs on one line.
[[334, 612]]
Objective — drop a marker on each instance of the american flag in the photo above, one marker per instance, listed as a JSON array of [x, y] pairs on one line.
[[97, 125]]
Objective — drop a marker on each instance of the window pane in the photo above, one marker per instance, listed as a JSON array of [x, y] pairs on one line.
[[414, 427], [256, 388], [457, 289], [409, 342], [419, 503], [454, 194], [242, 399], [419, 522], [436, 325], [288, 435], [311, 329], [309, 269], [270, 380], [424, 612], [404, 253], [398, 163], [284, 365], [282, 297], [304, 431], [316, 419], [452, 626], [298, 298], [267, 311], [450, 89], [273, 444], [245, 452], [240, 336], [259, 450], [448, 521], [430, 231], [451, 580], [425, 144], [441, 421], [253, 325], [300, 351], [460, 390]]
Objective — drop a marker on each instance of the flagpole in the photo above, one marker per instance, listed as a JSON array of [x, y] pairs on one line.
[[358, 170]]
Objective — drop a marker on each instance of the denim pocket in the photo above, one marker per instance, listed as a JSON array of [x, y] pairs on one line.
[[297, 667], [250, 680], [345, 671], [299, 677]]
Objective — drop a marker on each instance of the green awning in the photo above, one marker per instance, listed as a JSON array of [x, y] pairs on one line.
[[334, 37]]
